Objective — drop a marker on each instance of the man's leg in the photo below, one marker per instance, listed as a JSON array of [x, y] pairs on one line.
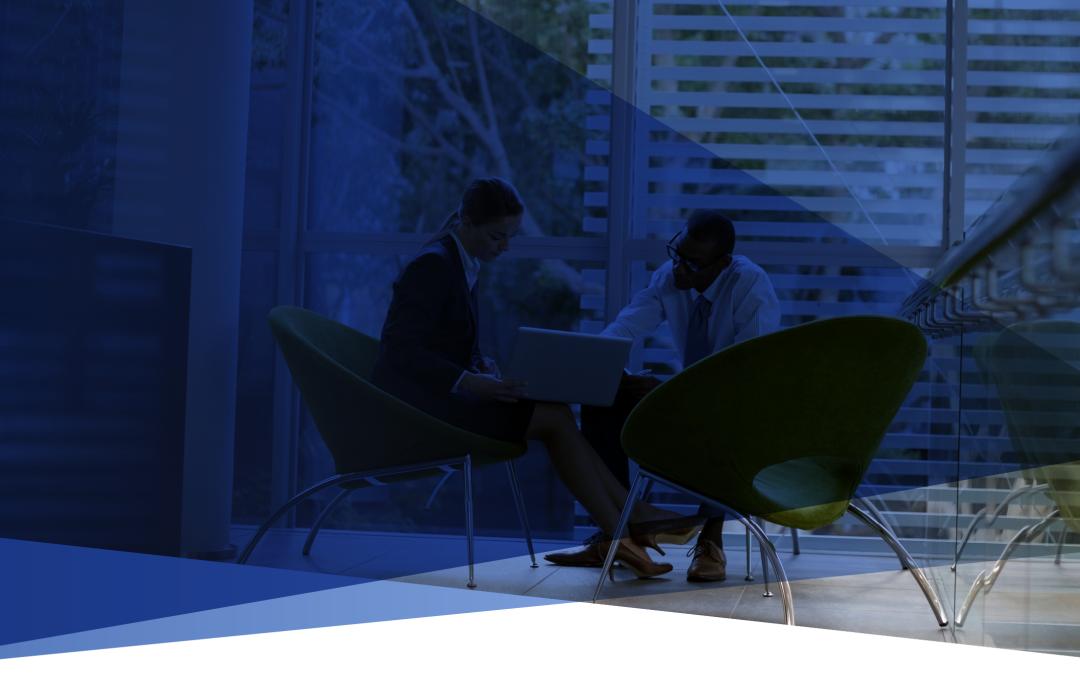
[[602, 428], [714, 530], [709, 563]]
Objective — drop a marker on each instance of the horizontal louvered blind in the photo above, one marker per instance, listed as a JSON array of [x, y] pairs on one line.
[[1023, 90], [868, 79]]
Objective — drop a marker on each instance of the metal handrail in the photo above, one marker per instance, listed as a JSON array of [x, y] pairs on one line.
[[1005, 221]]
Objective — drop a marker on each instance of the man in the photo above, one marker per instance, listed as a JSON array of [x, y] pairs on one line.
[[711, 299]]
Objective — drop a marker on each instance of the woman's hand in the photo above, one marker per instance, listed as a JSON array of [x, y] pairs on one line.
[[488, 366], [489, 387]]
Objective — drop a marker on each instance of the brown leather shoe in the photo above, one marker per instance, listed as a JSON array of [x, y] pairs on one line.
[[709, 562]]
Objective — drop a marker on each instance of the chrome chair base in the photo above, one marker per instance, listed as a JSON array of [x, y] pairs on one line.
[[763, 540], [450, 466], [795, 550], [905, 559], [749, 573], [467, 469], [769, 557], [342, 495], [765, 559], [986, 579], [998, 511], [876, 514]]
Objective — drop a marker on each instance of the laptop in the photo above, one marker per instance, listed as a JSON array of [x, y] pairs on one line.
[[569, 368]]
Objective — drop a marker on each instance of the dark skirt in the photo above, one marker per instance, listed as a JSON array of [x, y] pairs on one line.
[[495, 419]]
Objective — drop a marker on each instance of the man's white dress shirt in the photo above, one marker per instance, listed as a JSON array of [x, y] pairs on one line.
[[744, 306]]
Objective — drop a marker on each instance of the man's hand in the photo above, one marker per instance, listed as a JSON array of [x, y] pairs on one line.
[[637, 386], [490, 387]]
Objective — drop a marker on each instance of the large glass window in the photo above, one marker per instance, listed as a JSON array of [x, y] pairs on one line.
[[410, 99], [837, 106], [823, 128]]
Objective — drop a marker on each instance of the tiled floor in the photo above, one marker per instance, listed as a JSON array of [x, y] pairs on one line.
[[874, 595]]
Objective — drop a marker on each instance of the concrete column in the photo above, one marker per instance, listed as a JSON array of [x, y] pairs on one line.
[[181, 146]]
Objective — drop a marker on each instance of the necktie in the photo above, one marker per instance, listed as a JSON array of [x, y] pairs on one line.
[[697, 337]]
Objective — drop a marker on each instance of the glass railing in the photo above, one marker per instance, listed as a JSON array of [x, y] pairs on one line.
[[1007, 301]]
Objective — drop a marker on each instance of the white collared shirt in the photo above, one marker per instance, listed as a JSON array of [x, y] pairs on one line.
[[744, 305], [470, 264]]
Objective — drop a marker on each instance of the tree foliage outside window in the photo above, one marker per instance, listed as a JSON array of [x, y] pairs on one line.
[[58, 126]]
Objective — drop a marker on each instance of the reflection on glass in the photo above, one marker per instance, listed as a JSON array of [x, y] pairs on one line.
[[1015, 586]]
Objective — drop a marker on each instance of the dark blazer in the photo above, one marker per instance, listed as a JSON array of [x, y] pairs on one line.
[[430, 334]]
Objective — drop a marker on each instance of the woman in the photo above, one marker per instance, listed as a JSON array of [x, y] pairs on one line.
[[429, 357]]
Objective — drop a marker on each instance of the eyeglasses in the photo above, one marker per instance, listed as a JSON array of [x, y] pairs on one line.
[[677, 259]]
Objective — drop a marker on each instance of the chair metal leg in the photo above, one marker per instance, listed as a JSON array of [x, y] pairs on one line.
[[795, 550], [1001, 508], [966, 536], [768, 552], [764, 564], [1013, 495], [986, 578], [905, 557], [337, 480], [322, 518], [871, 508], [469, 519], [522, 515], [292, 502], [620, 529], [1061, 544], [749, 573], [648, 489], [448, 472]]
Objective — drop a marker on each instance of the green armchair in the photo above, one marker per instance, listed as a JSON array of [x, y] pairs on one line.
[[374, 437], [781, 427]]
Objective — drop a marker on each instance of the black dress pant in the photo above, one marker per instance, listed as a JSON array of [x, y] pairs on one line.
[[602, 427]]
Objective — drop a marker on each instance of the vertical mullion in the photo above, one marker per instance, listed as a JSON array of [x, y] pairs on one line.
[[621, 157], [956, 199], [956, 19], [291, 256]]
